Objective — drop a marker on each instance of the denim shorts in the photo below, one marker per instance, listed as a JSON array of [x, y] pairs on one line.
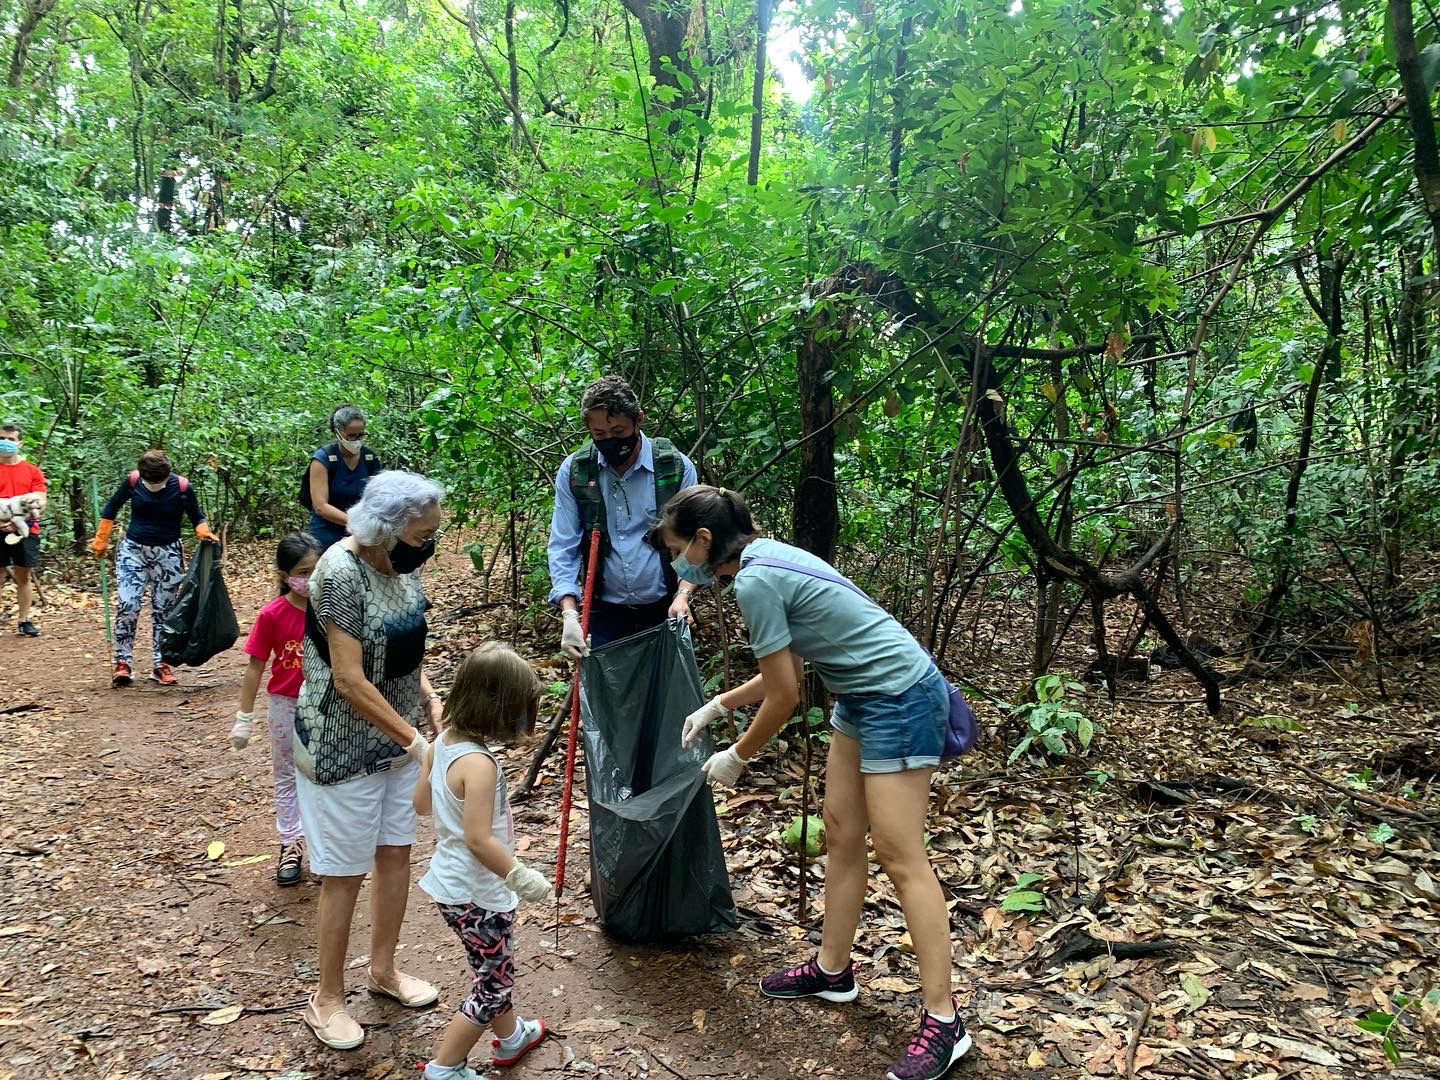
[[897, 732]]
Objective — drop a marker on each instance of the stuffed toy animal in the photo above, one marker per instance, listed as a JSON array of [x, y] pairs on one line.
[[20, 510]]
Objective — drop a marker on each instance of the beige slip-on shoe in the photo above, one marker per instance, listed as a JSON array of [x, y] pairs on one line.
[[339, 1031], [409, 991]]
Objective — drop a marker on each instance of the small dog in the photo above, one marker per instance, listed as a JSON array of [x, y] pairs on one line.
[[21, 510]]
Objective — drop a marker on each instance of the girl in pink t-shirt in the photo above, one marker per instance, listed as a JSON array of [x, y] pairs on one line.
[[279, 632]]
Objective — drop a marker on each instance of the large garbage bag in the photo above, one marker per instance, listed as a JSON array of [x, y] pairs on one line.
[[202, 622], [657, 869]]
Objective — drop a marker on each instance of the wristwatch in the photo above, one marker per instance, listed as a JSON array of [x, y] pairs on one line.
[[434, 696]]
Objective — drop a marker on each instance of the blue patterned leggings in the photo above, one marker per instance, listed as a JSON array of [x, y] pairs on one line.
[[162, 568], [486, 937]]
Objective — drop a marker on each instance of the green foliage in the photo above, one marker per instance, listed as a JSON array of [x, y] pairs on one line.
[[1052, 720], [359, 215], [1388, 1025], [1023, 896]]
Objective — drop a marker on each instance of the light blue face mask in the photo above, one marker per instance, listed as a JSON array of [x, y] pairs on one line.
[[8, 447], [694, 573]]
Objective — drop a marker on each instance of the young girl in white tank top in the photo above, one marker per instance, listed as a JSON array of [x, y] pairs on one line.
[[474, 875]]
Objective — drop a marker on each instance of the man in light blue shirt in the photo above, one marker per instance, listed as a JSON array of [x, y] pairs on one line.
[[621, 478]]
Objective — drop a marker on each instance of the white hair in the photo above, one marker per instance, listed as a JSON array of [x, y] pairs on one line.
[[392, 500]]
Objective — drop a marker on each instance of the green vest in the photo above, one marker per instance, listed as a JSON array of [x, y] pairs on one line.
[[590, 499]]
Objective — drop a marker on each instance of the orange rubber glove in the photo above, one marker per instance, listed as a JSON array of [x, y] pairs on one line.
[[101, 543], [203, 532]]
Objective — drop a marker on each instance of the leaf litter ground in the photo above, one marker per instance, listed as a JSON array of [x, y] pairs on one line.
[[1208, 908]]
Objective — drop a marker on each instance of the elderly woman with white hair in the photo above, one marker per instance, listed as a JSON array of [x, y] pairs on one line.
[[358, 745]]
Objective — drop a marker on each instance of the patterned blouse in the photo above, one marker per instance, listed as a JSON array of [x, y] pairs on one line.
[[387, 616]]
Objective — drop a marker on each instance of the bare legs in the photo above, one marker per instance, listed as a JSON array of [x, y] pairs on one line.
[[892, 807], [388, 894]]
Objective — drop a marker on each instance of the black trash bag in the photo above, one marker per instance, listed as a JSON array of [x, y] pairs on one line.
[[657, 869], [202, 622]]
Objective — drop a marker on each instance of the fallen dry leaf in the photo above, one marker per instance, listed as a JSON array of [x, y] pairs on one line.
[[894, 984], [593, 1025], [228, 1015]]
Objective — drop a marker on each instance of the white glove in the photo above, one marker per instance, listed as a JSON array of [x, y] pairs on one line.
[[243, 729], [698, 721], [724, 767], [418, 748], [528, 884], [572, 641]]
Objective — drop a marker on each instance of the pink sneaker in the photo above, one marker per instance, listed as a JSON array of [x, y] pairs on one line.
[[933, 1050]]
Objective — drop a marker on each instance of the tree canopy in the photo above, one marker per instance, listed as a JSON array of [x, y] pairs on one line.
[[1094, 291]]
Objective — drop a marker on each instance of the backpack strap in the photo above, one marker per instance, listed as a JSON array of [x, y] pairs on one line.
[[135, 479], [585, 487], [669, 471], [809, 571]]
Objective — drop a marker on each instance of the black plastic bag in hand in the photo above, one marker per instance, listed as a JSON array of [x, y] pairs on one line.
[[202, 622], [657, 869]]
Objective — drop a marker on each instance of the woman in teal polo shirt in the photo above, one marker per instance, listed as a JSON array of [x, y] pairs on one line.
[[889, 723]]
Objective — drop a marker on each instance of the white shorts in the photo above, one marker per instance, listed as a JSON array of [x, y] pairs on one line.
[[346, 822]]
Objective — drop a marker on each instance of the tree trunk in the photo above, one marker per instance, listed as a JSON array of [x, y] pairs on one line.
[[165, 204], [757, 94], [665, 25], [1052, 560], [897, 127], [514, 63], [30, 16], [815, 520], [1328, 307], [77, 512], [1422, 117]]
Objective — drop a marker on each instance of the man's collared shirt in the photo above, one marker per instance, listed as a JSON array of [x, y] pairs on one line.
[[634, 573]]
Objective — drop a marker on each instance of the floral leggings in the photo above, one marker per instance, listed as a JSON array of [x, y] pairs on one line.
[[162, 568], [486, 937]]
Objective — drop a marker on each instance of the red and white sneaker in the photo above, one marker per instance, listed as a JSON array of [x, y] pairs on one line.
[[535, 1032], [122, 676], [163, 675]]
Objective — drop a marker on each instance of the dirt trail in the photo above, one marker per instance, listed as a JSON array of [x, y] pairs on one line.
[[115, 920], [1285, 910]]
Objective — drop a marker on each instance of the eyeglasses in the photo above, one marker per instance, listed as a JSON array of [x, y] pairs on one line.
[[618, 488]]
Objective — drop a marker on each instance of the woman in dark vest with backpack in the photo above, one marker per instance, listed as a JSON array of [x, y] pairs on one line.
[[336, 476], [888, 733], [149, 555]]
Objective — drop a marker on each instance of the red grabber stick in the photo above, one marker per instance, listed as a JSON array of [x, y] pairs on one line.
[[568, 790]]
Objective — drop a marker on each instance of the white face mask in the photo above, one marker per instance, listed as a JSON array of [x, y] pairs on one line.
[[350, 446], [156, 488]]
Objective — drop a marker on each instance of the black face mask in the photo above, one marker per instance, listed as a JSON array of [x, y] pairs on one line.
[[407, 558], [618, 449]]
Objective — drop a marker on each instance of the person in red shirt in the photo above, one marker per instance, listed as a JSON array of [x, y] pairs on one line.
[[19, 477], [279, 632]]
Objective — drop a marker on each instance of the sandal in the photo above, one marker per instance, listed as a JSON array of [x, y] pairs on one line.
[[339, 1031], [409, 991]]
